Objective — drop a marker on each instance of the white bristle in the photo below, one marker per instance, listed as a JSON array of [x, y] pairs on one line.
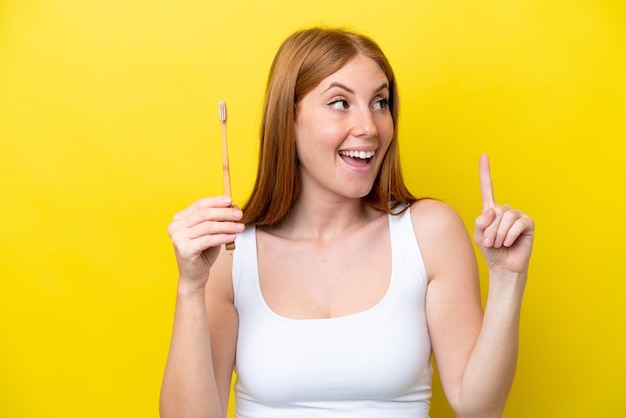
[[222, 111]]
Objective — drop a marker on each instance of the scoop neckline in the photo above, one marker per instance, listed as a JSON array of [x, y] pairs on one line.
[[355, 315]]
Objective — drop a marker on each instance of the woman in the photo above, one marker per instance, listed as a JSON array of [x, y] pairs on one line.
[[342, 283]]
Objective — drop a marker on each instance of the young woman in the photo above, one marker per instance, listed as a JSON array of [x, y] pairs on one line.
[[342, 283]]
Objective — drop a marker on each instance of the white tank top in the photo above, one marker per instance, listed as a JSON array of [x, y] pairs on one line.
[[374, 363]]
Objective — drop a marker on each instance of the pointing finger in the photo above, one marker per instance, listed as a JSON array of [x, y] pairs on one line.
[[486, 186]]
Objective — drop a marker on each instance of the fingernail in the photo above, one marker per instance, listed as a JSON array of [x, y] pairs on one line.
[[487, 242], [238, 213], [227, 200]]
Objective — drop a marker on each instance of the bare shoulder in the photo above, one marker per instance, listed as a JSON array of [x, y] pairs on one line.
[[441, 234], [221, 273], [435, 217], [220, 299]]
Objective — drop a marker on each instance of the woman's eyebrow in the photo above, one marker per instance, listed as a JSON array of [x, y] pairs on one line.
[[340, 85], [383, 86]]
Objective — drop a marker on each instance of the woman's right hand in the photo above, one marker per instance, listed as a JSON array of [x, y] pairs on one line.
[[198, 232]]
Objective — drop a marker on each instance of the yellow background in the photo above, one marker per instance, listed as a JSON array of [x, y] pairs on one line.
[[109, 125]]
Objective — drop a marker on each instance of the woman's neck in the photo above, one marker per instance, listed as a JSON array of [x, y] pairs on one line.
[[322, 220]]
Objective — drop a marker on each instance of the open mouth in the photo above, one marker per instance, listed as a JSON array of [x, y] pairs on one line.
[[357, 157]]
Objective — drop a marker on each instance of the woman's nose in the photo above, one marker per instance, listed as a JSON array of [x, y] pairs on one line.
[[364, 124]]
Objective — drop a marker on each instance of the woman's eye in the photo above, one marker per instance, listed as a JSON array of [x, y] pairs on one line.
[[339, 104], [381, 104]]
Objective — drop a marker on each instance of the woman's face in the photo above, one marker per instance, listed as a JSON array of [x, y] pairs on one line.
[[343, 128]]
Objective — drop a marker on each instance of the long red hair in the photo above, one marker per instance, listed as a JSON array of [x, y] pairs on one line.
[[304, 59]]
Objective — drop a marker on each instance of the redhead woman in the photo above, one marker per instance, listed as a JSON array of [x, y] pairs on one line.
[[343, 284]]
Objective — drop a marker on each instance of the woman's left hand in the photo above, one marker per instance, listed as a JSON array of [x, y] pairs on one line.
[[503, 234]]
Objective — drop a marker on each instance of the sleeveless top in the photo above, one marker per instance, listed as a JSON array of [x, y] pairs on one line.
[[374, 363]]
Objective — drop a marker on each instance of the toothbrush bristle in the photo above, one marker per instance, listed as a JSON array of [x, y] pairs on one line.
[[222, 111]]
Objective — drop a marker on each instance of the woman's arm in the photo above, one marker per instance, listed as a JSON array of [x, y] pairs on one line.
[[476, 353], [201, 357]]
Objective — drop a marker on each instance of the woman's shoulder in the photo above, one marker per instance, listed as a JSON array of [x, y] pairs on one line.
[[220, 283], [433, 212], [437, 224]]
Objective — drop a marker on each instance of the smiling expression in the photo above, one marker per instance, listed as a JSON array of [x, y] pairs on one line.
[[343, 128]]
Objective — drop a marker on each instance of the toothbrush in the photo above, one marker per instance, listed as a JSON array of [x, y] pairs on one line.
[[222, 112]]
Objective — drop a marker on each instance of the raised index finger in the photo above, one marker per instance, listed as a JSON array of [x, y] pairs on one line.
[[486, 186]]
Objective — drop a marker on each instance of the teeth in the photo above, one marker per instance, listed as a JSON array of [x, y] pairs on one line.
[[358, 154]]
